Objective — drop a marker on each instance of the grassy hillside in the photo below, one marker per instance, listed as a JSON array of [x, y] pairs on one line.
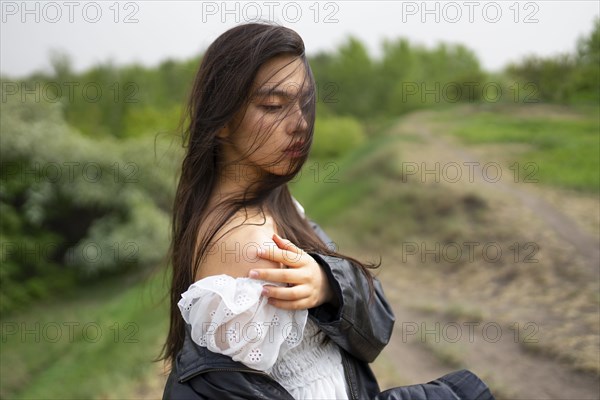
[[98, 343], [370, 207], [559, 146]]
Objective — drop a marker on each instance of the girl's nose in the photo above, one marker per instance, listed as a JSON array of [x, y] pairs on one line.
[[298, 122]]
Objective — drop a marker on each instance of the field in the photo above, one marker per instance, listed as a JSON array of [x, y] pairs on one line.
[[484, 217]]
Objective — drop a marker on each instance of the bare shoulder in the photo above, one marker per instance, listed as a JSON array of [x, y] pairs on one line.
[[234, 251]]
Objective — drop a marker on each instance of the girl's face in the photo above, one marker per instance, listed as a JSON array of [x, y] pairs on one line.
[[266, 137]]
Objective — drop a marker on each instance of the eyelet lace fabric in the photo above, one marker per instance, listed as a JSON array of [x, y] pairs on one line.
[[230, 316]]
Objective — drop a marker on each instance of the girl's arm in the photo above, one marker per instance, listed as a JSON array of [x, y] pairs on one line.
[[360, 327], [335, 292]]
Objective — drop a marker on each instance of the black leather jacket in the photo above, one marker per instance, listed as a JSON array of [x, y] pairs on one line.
[[361, 330]]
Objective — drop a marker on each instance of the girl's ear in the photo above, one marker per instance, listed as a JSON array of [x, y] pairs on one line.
[[228, 128], [223, 132]]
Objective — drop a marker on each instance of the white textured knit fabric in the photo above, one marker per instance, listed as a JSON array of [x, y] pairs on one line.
[[312, 370]]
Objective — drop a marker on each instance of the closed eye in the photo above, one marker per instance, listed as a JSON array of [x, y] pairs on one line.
[[271, 107]]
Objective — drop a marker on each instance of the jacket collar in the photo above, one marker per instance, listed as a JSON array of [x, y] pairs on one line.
[[194, 359]]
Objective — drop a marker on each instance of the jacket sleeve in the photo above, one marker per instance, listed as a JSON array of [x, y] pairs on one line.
[[229, 385], [458, 385], [360, 327]]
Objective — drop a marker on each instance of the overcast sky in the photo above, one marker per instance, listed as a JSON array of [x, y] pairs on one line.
[[151, 31]]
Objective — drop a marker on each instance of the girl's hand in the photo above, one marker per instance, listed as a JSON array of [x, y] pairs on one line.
[[308, 286]]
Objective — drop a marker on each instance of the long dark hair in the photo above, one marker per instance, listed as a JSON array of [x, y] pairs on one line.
[[222, 89]]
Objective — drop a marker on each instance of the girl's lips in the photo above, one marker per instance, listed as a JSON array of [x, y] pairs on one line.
[[298, 146], [294, 152]]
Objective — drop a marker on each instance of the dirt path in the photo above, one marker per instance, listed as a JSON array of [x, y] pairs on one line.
[[497, 358], [564, 225], [511, 371]]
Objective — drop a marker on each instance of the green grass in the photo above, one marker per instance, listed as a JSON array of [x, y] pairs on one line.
[[360, 193], [126, 313], [329, 188], [564, 149], [116, 332]]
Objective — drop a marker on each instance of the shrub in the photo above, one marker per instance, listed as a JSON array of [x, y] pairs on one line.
[[335, 136], [74, 207]]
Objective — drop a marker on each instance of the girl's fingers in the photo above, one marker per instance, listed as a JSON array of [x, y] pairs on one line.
[[279, 275], [285, 244], [286, 257], [293, 293], [290, 305]]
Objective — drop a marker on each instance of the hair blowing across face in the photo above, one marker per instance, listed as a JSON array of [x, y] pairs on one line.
[[222, 89]]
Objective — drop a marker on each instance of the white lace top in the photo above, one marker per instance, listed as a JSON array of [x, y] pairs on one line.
[[230, 316]]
